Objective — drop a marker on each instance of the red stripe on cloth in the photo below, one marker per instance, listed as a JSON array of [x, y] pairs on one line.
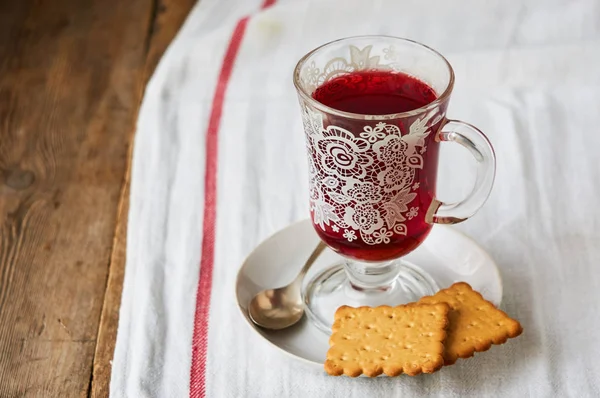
[[200, 336]]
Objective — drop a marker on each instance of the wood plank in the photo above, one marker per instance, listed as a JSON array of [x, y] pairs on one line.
[[170, 16], [70, 77], [107, 331]]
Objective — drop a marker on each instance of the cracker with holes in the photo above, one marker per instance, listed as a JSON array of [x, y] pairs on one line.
[[392, 340], [475, 323]]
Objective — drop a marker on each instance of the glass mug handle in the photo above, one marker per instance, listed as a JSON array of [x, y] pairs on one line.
[[479, 146]]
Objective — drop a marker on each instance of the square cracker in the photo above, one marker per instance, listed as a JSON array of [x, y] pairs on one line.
[[392, 340], [475, 323]]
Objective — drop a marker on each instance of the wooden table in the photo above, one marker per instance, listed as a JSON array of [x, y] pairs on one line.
[[72, 74]]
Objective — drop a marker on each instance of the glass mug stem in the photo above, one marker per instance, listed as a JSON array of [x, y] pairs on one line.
[[368, 276]]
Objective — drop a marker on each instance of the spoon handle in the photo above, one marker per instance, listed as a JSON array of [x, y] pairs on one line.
[[314, 255]]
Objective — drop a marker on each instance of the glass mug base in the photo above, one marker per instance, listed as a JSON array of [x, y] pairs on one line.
[[335, 287]]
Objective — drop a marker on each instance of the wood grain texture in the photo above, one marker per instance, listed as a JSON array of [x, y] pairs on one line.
[[170, 15], [71, 77]]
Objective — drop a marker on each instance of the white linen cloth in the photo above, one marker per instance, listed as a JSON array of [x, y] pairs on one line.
[[527, 74]]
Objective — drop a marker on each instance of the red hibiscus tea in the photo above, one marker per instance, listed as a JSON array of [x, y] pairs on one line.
[[375, 93], [373, 181]]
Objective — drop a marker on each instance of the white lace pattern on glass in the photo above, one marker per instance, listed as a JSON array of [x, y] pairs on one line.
[[363, 183], [312, 76]]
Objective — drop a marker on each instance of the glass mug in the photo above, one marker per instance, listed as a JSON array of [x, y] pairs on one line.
[[372, 173]]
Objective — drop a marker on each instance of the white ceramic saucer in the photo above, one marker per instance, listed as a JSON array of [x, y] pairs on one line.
[[448, 255]]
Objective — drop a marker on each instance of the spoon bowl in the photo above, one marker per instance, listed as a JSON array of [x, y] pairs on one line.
[[281, 308]]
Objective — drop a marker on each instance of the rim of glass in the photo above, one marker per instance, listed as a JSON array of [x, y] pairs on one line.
[[322, 107]]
